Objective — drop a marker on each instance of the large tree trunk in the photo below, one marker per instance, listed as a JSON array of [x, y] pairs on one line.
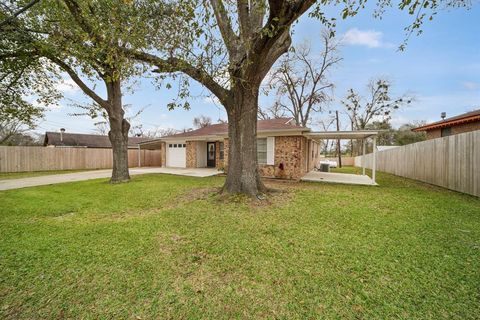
[[118, 133], [242, 174]]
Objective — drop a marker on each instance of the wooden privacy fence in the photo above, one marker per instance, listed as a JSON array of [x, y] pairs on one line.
[[451, 162], [19, 159]]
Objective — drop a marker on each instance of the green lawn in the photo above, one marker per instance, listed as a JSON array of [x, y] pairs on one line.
[[161, 247], [18, 175]]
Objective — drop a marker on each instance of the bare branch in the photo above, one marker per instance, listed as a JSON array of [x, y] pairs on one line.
[[71, 72], [172, 64]]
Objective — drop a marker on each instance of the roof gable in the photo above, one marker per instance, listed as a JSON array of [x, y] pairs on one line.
[[278, 124]]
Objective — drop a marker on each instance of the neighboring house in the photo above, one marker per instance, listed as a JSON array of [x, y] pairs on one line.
[[62, 139], [283, 149], [466, 122], [383, 148]]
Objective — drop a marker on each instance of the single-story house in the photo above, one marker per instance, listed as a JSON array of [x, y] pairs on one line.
[[465, 122], [62, 139], [284, 150]]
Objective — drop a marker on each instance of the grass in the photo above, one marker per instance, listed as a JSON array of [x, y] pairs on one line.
[[160, 247], [18, 175], [354, 170]]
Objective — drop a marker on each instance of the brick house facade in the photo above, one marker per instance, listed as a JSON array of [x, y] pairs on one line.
[[288, 155], [294, 156]]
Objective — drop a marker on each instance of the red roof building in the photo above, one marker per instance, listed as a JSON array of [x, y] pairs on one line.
[[466, 122]]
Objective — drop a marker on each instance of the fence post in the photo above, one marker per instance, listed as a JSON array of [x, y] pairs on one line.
[[374, 160], [139, 157], [363, 157]]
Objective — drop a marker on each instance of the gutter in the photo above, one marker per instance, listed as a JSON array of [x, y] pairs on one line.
[[447, 123], [299, 131]]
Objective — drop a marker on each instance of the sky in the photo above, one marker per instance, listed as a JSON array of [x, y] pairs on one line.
[[440, 69]]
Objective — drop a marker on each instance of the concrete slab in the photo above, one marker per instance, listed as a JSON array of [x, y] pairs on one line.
[[331, 177], [96, 174]]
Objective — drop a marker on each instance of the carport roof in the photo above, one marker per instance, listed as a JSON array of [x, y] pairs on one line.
[[359, 134]]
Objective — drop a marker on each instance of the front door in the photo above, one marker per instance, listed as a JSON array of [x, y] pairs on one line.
[[211, 154]]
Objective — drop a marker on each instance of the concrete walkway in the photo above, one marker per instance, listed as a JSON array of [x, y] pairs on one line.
[[346, 178], [96, 174]]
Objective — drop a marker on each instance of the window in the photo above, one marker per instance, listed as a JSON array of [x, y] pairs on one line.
[[220, 146], [262, 151], [184, 145], [446, 132], [175, 145], [170, 145]]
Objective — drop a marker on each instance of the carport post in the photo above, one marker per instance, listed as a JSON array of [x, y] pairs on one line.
[[374, 160], [139, 157], [363, 157]]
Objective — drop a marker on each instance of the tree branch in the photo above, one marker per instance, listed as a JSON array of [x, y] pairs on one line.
[[77, 14], [244, 19], [172, 64], [225, 26], [17, 13], [89, 92]]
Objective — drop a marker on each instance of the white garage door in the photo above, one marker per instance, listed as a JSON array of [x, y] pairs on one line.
[[176, 155]]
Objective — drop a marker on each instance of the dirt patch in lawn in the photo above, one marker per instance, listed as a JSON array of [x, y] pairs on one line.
[[279, 192]]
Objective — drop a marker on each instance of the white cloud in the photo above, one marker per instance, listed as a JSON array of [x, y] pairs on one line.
[[398, 120], [470, 85], [211, 99], [53, 106], [67, 86], [369, 38]]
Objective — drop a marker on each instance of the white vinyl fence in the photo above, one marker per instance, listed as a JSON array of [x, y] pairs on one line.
[[451, 162]]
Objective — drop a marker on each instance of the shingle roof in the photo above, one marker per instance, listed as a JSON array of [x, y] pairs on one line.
[[222, 128], [462, 118], [85, 140]]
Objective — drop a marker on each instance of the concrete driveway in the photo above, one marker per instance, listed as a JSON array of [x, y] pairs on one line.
[[96, 174]]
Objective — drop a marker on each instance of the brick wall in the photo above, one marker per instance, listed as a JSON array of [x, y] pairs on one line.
[[462, 128], [191, 154], [466, 127], [291, 151], [224, 163]]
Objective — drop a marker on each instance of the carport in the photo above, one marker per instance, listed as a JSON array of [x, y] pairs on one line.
[[346, 178]]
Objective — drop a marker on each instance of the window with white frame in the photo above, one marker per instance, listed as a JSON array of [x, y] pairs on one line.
[[222, 153], [262, 150]]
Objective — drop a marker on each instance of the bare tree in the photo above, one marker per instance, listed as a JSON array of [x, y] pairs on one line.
[[301, 81], [11, 134], [9, 130], [326, 124], [274, 112], [202, 121], [158, 132], [379, 106]]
